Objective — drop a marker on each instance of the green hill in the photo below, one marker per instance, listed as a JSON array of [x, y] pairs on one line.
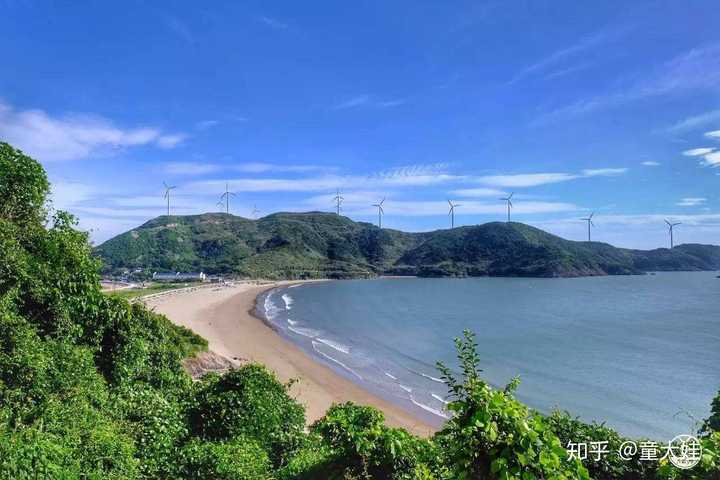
[[316, 244]]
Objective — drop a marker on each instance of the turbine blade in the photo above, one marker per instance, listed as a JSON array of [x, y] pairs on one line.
[[511, 194]]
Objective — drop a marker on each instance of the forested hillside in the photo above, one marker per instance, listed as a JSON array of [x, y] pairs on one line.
[[316, 244]]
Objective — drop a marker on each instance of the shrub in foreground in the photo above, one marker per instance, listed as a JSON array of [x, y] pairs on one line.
[[494, 436], [249, 402]]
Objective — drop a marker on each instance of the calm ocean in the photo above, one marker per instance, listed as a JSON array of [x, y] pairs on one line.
[[641, 353]]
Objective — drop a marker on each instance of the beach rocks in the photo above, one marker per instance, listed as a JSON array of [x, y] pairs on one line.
[[206, 362]]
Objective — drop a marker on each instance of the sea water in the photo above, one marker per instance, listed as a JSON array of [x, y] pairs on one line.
[[641, 353]]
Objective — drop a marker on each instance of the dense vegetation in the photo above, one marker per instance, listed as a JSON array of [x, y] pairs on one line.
[[315, 244], [91, 387]]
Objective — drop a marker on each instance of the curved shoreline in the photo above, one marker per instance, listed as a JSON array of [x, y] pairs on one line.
[[224, 316]]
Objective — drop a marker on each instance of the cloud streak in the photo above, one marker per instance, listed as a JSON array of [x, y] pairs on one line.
[[537, 179], [75, 137], [696, 69]]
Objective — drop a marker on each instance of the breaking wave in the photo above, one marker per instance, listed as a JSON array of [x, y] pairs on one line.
[[337, 346], [428, 408], [305, 332], [335, 360]]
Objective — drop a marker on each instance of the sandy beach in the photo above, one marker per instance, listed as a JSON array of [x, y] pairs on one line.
[[222, 316]]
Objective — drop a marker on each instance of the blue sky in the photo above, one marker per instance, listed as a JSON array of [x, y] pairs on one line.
[[612, 107]]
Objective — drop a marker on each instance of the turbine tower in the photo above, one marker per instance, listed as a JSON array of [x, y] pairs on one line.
[[453, 206], [338, 201], [255, 211], [509, 203], [226, 196], [167, 195], [589, 223], [671, 226], [381, 212]]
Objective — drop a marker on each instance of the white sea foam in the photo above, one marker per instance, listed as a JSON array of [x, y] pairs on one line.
[[305, 332], [337, 346], [427, 408], [296, 285], [288, 301], [434, 379], [269, 307], [439, 398], [292, 322], [391, 375], [335, 360]]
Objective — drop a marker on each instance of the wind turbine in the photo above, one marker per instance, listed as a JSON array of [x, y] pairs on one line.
[[452, 212], [671, 226], [255, 211], [226, 196], [509, 203], [381, 212], [589, 222], [167, 195], [338, 201]]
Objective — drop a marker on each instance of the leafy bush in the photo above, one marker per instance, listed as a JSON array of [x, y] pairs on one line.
[[249, 402], [712, 424], [361, 446], [570, 429], [158, 426], [237, 460], [494, 436]]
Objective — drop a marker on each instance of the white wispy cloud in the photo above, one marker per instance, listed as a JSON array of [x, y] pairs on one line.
[[478, 192], [73, 137], [604, 172], [650, 163], [190, 168], [696, 152], [697, 69], [273, 22], [536, 179], [170, 141], [715, 134], [691, 202], [562, 55], [201, 168], [710, 156], [65, 194], [366, 100], [695, 121], [414, 208], [206, 124], [353, 102], [711, 159], [525, 180]]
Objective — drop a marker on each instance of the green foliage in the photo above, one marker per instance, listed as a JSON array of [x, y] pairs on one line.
[[361, 446], [712, 423], [707, 469], [158, 425], [494, 436], [311, 461], [23, 187], [239, 459], [570, 429], [249, 402]]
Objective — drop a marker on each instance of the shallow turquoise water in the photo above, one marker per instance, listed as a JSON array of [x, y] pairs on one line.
[[639, 352]]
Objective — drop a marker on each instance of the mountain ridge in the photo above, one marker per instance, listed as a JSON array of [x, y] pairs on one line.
[[319, 244]]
